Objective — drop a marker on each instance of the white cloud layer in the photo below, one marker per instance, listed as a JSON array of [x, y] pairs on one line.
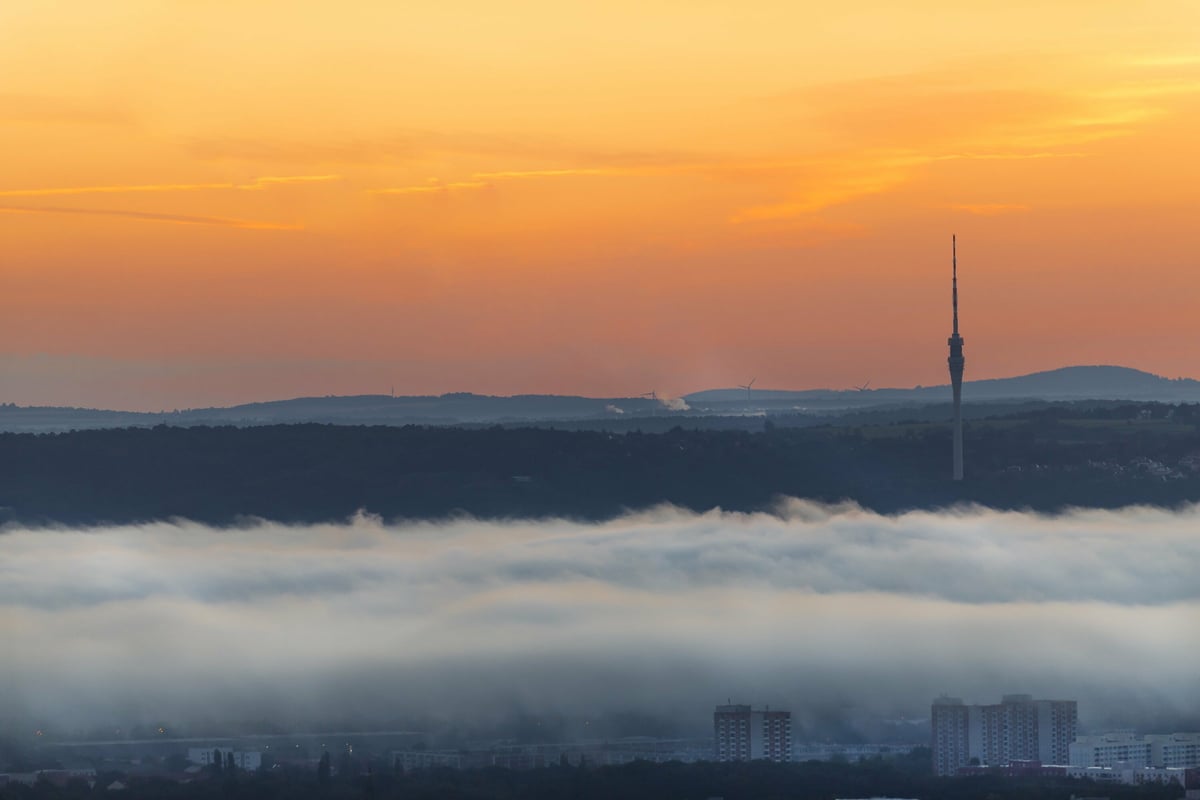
[[664, 612]]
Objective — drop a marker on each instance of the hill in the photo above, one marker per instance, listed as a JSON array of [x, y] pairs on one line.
[[1065, 383], [617, 413]]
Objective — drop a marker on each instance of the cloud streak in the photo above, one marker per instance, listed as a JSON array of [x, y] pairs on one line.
[[988, 209], [256, 184], [662, 612], [146, 216], [433, 187], [483, 180]]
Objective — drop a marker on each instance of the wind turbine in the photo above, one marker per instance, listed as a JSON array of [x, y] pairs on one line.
[[863, 388], [747, 386]]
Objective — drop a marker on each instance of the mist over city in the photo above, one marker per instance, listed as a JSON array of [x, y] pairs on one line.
[[847, 616]]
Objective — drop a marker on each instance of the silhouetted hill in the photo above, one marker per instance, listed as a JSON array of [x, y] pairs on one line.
[[446, 409], [464, 408], [1065, 383], [1092, 383]]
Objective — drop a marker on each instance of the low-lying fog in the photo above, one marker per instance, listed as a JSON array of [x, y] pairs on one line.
[[830, 611]]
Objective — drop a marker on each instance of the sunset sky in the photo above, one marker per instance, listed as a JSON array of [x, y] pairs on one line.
[[206, 202]]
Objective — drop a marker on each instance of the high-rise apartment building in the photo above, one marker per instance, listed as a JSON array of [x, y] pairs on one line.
[[950, 719], [1058, 725], [741, 733], [1018, 728]]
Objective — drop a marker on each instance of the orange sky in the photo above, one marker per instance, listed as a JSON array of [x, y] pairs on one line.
[[214, 202]]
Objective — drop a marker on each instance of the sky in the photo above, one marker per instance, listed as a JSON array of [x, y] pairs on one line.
[[841, 615], [205, 203]]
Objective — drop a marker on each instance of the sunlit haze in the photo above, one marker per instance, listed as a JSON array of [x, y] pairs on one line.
[[210, 203]]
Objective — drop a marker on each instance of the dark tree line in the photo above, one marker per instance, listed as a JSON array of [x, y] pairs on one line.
[[639, 781], [1042, 459]]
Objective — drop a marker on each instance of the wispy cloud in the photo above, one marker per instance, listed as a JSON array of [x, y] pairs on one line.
[[892, 127], [178, 219], [854, 175], [988, 209], [254, 185], [556, 173], [482, 180], [417, 145], [16, 107], [1017, 156], [136, 189], [1165, 60], [823, 191], [437, 187], [278, 180]]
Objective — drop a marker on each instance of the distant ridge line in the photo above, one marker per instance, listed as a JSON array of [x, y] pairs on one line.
[[1100, 383]]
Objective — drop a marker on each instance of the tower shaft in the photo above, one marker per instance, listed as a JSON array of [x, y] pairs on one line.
[[956, 363]]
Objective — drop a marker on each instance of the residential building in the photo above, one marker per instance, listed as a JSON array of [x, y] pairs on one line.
[[741, 733], [1018, 728], [950, 720], [1110, 749], [1129, 750], [1175, 750], [248, 760], [1130, 775]]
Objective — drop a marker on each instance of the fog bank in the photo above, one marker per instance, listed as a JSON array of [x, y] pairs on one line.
[[820, 609]]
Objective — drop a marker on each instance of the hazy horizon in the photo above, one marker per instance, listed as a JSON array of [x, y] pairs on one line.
[[25, 377], [206, 203]]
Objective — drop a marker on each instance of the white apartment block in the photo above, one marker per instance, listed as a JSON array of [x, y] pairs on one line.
[[1110, 749], [1175, 750], [1129, 750], [741, 733], [1129, 775]]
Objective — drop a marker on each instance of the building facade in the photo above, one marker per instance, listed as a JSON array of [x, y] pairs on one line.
[[741, 733], [1128, 750], [1058, 725], [1018, 728], [1175, 750], [1109, 749], [248, 760], [950, 721], [1133, 776]]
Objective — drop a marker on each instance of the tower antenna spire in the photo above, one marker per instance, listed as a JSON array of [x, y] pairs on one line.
[[954, 267], [956, 363]]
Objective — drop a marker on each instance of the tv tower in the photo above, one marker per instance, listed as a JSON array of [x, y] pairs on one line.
[[956, 362]]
